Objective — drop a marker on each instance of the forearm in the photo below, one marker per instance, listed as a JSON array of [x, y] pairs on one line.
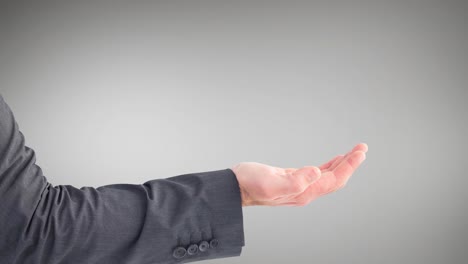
[[118, 223], [126, 223]]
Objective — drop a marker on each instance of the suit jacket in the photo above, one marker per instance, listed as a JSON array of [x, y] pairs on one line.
[[184, 218]]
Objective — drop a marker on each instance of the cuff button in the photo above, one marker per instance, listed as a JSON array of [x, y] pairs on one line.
[[179, 252], [192, 249], [214, 243], [203, 246]]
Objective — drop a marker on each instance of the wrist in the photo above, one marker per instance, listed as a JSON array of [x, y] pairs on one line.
[[243, 193], [243, 197]]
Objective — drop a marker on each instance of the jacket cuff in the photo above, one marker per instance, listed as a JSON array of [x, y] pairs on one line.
[[219, 193]]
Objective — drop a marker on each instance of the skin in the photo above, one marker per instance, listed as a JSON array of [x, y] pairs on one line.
[[261, 184]]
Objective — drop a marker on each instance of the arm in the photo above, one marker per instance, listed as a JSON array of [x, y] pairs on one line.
[[183, 218]]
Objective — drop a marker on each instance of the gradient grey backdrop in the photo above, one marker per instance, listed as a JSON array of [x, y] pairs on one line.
[[114, 92]]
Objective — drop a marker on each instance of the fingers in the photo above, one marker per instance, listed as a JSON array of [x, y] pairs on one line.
[[345, 169], [300, 186], [339, 176], [298, 181], [330, 162], [359, 147], [362, 147], [330, 180]]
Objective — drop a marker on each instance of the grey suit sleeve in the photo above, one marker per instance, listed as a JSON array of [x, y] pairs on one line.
[[179, 219]]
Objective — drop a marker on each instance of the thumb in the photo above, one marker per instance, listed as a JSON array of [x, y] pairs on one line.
[[303, 177]]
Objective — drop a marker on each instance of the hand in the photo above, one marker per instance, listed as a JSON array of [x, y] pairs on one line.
[[262, 184]]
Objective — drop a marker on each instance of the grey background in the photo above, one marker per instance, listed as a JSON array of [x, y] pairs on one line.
[[112, 92]]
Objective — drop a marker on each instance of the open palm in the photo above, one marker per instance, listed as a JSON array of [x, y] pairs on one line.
[[261, 184]]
